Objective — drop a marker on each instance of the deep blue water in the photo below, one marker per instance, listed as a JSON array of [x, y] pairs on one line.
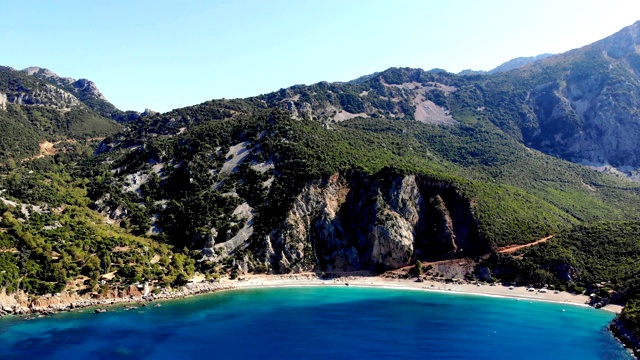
[[321, 323]]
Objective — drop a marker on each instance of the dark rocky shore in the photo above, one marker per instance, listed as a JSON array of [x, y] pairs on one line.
[[625, 336]]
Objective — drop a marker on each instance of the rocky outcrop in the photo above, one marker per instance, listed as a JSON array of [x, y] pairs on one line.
[[20, 303], [213, 251], [355, 222], [47, 95], [82, 88]]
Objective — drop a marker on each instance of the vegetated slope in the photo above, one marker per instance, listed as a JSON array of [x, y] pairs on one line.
[[517, 63], [32, 110], [86, 91], [599, 258], [580, 105], [377, 193], [50, 240]]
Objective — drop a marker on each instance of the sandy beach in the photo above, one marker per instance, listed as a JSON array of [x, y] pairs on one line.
[[20, 304], [517, 292]]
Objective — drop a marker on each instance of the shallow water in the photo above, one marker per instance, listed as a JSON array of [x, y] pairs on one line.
[[321, 322]]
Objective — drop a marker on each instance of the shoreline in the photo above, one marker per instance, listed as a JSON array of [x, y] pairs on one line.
[[19, 305], [498, 291], [67, 303]]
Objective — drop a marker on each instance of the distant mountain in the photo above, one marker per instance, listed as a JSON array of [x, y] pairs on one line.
[[582, 105], [33, 110], [86, 91], [517, 63], [509, 65]]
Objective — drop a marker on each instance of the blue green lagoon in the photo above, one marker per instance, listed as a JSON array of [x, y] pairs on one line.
[[320, 323]]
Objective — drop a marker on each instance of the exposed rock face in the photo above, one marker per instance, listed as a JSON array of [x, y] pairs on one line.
[[245, 213], [357, 222], [82, 88], [414, 95], [3, 101], [49, 96], [591, 110]]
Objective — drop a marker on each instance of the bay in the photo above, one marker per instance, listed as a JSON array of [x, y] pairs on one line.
[[319, 323]]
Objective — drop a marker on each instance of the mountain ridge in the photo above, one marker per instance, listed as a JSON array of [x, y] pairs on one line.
[[86, 91], [508, 65], [33, 110]]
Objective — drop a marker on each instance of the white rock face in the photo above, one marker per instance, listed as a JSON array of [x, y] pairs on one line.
[[133, 182], [235, 156], [214, 251], [3, 101]]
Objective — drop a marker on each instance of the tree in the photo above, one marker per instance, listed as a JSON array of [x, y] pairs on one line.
[[416, 269]]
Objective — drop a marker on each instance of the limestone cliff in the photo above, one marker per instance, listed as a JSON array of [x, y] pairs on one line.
[[356, 222]]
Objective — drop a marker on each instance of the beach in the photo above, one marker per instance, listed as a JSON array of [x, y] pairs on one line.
[[515, 292], [19, 304], [302, 318]]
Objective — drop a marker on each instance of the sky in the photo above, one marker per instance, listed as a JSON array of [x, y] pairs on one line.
[[167, 54]]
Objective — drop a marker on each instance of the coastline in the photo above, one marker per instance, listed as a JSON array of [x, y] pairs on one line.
[[19, 304], [518, 293]]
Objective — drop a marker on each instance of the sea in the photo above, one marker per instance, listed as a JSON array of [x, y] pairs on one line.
[[323, 322]]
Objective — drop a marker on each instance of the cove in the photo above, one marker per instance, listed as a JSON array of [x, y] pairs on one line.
[[318, 323]]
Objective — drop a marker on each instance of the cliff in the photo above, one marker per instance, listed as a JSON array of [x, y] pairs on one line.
[[357, 222]]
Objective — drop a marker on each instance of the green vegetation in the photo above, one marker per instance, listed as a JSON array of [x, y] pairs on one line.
[[600, 258], [37, 111], [54, 241], [631, 316]]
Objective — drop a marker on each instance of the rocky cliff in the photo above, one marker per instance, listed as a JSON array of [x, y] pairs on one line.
[[355, 222]]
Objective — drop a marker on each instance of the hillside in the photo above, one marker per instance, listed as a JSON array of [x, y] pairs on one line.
[[33, 110], [271, 164], [581, 105], [84, 90]]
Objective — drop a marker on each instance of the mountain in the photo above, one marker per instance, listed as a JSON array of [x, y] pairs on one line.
[[374, 174], [509, 65], [84, 90], [517, 63], [33, 111], [581, 105]]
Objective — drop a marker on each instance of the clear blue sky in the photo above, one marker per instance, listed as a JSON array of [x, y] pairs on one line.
[[167, 54]]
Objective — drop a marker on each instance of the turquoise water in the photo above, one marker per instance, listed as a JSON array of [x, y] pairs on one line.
[[320, 323]]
